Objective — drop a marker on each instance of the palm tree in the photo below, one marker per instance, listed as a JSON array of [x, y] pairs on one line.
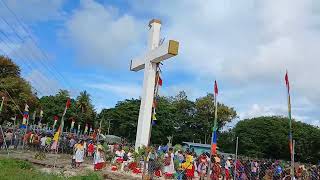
[[86, 111], [83, 101]]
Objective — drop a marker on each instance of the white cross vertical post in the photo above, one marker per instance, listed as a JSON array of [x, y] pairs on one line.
[[148, 62]]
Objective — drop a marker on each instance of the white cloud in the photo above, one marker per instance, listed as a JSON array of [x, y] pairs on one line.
[[43, 84], [246, 43], [257, 110], [101, 36], [121, 90]]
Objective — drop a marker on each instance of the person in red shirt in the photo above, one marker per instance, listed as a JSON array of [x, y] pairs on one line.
[[216, 168], [90, 149]]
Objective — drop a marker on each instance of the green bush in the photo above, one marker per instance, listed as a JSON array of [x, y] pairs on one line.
[[11, 169]]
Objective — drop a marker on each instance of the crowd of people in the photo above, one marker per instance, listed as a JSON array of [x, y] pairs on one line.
[[160, 161]]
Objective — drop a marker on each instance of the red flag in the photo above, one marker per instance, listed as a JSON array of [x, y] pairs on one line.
[[68, 103], [160, 81], [286, 78], [215, 87], [55, 118]]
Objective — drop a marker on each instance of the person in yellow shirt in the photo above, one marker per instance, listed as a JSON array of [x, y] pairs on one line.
[[188, 166]]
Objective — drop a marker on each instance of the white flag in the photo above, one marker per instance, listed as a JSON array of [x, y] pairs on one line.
[[26, 108]]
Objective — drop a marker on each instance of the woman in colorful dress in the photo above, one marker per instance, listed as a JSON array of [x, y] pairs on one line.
[[188, 166], [99, 161], [79, 148], [90, 149], [169, 164], [202, 166]]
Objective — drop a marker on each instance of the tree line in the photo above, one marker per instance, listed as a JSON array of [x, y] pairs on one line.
[[268, 137]]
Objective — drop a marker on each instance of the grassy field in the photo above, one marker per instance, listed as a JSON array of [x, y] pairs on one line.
[[11, 169]]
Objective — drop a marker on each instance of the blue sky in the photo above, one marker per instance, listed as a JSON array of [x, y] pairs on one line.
[[246, 46]]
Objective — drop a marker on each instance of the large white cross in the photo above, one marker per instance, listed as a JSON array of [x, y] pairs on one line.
[[148, 62]]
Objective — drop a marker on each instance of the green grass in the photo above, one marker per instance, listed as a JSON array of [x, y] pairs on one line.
[[11, 169]]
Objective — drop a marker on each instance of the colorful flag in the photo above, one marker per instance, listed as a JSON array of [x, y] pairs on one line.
[[215, 88], [86, 129], [78, 128], [55, 118], [25, 116], [40, 118], [214, 143], [160, 81], [215, 125], [55, 139], [68, 104], [286, 78], [1, 106], [72, 123], [41, 114], [57, 134]]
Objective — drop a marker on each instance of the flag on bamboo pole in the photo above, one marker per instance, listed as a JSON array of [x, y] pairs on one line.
[[90, 128], [79, 126], [85, 129], [286, 78], [215, 126], [40, 118], [60, 129], [57, 134], [1, 106], [25, 117], [55, 139], [68, 104], [72, 124], [55, 120]]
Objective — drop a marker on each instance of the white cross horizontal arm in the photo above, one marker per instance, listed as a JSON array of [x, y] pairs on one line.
[[161, 53]]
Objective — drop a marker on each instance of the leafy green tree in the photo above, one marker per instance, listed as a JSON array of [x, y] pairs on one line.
[[267, 137], [123, 119], [176, 116], [8, 68], [205, 112], [55, 105], [16, 90], [85, 109]]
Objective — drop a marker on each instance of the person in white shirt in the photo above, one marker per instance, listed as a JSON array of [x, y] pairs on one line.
[[43, 142]]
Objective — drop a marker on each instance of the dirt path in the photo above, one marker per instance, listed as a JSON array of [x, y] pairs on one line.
[[61, 164]]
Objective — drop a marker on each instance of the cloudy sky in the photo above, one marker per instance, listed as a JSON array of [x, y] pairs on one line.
[[245, 45]]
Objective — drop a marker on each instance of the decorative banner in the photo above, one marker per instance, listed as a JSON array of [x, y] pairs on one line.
[[72, 123], [55, 121], [90, 128], [215, 126], [86, 129], [25, 117], [40, 120], [286, 78], [78, 128]]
